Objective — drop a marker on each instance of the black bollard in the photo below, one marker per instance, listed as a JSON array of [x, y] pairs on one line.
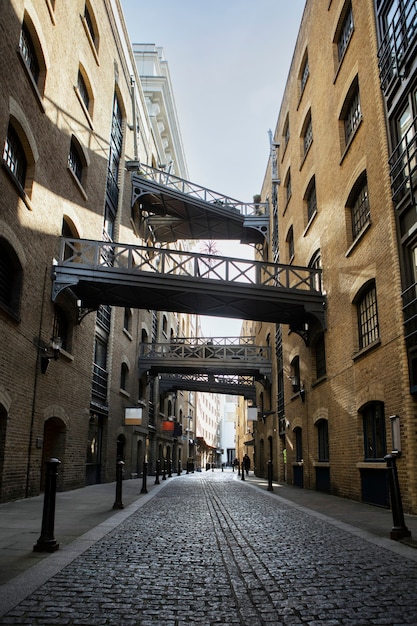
[[399, 530], [179, 467], [188, 467], [158, 471], [47, 542], [118, 504], [238, 468], [144, 477], [243, 472], [170, 469], [270, 469], [164, 470]]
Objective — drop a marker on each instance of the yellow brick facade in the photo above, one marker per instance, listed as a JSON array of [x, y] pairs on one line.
[[313, 151]]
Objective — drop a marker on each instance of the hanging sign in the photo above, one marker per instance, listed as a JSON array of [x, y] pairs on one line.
[[133, 416]]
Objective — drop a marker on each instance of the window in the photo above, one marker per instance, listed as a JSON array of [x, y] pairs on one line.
[[359, 206], [124, 376], [345, 32], [28, 52], [398, 27], [315, 264], [83, 91], [367, 317], [286, 133], [14, 156], [307, 134], [295, 374], [320, 356], [75, 162], [127, 319], [298, 444], [288, 186], [91, 25], [353, 116], [61, 327], [290, 243], [305, 73], [11, 278], [403, 160], [323, 440], [374, 431], [311, 200]]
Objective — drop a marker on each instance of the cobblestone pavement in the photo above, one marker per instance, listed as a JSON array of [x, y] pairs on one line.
[[209, 550]]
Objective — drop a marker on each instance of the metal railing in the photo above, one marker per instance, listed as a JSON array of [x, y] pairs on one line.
[[205, 349], [174, 183], [403, 165], [84, 254], [397, 41]]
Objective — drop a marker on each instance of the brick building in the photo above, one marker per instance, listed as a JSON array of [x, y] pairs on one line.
[[339, 392], [71, 113]]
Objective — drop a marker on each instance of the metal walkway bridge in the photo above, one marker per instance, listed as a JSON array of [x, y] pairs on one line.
[[209, 383], [141, 277], [173, 208], [217, 355]]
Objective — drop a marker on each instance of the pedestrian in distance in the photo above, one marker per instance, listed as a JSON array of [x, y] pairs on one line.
[[246, 464]]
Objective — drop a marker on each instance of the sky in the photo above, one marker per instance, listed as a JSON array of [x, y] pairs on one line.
[[229, 61]]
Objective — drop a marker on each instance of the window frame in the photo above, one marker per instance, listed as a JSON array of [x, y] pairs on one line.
[[367, 316], [323, 451], [374, 431]]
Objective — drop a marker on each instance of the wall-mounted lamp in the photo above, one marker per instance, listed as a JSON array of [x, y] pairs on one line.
[[298, 388], [52, 352], [396, 434]]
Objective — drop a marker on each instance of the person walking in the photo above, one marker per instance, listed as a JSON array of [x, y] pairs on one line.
[[246, 464]]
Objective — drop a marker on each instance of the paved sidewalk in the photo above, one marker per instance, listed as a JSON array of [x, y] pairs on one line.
[[286, 557]]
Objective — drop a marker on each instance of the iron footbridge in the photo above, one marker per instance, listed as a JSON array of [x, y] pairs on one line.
[[172, 208], [217, 355], [125, 275], [209, 383]]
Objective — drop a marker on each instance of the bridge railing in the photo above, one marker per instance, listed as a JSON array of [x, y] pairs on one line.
[[170, 181], [85, 254], [189, 351]]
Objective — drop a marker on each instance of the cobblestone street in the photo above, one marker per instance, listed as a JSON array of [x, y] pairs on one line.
[[209, 549]]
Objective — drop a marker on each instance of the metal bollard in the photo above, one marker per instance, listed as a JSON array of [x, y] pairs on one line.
[[243, 471], [144, 477], [170, 469], [399, 530], [270, 471], [47, 542], [164, 470], [238, 468], [118, 504], [179, 467], [157, 471]]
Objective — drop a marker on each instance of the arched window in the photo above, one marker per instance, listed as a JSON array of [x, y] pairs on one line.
[[11, 279], [31, 55], [298, 444], [28, 52], [351, 114], [124, 376], [367, 312], [373, 418], [76, 161], [307, 134], [290, 244], [323, 440], [358, 205], [14, 156], [91, 28], [311, 199], [344, 31], [304, 72]]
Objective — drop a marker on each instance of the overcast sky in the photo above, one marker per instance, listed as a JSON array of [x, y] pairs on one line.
[[229, 62]]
